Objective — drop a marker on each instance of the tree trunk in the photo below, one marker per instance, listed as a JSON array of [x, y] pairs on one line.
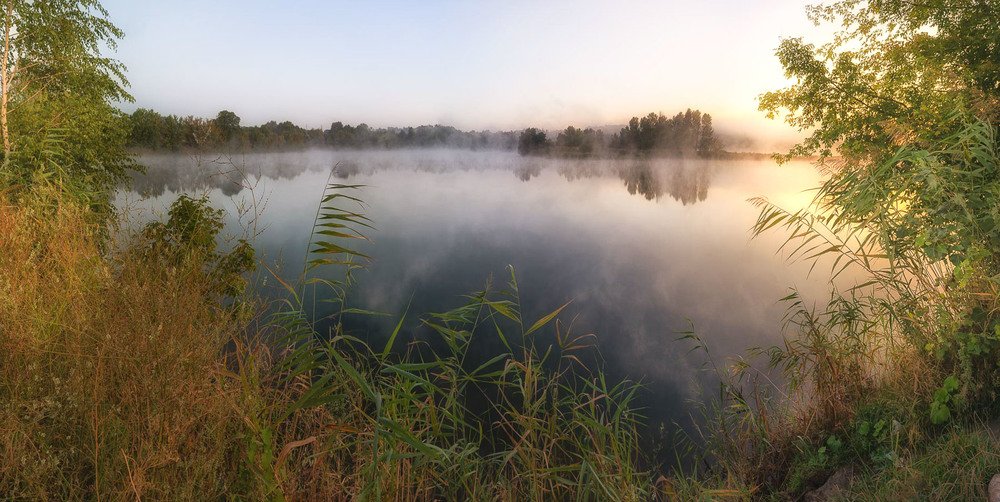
[[5, 82]]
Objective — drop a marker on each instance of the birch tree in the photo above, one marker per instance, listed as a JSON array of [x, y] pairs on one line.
[[58, 92]]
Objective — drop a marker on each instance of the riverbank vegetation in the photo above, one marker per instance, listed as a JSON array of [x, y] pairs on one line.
[[890, 390], [132, 373]]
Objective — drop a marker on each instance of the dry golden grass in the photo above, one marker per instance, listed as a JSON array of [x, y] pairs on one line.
[[112, 382], [123, 377]]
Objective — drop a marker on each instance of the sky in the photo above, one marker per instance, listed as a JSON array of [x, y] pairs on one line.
[[500, 65]]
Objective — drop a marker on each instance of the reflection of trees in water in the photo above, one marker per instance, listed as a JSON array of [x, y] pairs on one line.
[[690, 187], [186, 174], [682, 181], [181, 173], [687, 184], [527, 171], [578, 170], [345, 169], [231, 175], [640, 178]]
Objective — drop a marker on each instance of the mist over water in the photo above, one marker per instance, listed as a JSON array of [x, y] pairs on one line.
[[642, 248]]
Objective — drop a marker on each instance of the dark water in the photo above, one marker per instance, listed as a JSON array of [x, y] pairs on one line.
[[643, 248]]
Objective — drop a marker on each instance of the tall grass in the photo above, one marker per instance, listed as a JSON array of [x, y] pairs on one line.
[[140, 370], [111, 381], [438, 419], [905, 355]]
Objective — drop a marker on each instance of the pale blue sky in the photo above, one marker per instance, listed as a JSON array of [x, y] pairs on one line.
[[475, 65]]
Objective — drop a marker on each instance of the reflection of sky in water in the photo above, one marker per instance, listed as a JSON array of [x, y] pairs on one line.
[[639, 246]]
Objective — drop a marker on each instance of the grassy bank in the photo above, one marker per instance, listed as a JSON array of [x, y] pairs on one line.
[[114, 383], [134, 366], [894, 381]]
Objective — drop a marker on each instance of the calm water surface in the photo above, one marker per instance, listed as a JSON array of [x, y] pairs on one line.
[[643, 248]]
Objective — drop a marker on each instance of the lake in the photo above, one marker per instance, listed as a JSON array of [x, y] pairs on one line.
[[643, 248]]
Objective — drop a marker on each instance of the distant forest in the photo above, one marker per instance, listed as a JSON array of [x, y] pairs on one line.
[[686, 134], [153, 131]]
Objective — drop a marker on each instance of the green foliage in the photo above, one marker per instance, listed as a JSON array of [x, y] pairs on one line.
[[922, 227], [583, 142], [57, 84], [188, 240], [940, 412], [149, 129], [228, 124], [146, 128], [960, 32], [875, 435], [957, 465], [894, 72], [918, 229], [708, 144], [686, 133], [905, 94], [555, 431], [532, 141], [339, 229]]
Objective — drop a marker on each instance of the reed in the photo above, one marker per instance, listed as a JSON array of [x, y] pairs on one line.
[[896, 365], [438, 420], [135, 367]]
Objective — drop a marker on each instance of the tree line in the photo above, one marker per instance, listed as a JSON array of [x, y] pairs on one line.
[[685, 134], [151, 130]]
